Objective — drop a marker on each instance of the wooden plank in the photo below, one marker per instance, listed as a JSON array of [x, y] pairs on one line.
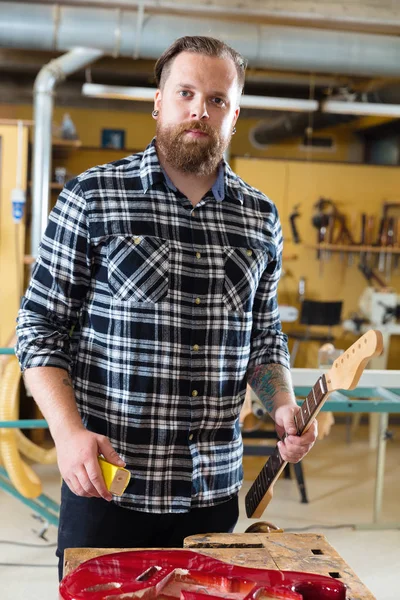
[[308, 552], [14, 122]]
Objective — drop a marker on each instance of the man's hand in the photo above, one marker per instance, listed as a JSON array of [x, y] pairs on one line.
[[293, 447], [77, 460]]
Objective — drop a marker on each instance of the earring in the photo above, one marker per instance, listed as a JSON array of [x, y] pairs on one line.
[[155, 113], [234, 131]]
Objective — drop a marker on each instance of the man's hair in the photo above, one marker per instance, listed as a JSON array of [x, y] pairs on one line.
[[207, 46]]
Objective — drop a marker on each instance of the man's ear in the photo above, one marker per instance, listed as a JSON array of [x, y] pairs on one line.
[[236, 116], [157, 100]]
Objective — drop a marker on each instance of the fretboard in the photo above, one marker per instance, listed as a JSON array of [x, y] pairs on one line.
[[275, 464]]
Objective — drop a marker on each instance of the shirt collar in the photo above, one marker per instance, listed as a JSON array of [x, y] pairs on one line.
[[152, 173]]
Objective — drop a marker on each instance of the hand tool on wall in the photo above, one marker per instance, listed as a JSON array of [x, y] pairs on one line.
[[397, 244], [292, 218], [386, 234], [324, 211], [371, 276], [363, 236], [390, 241], [369, 236]]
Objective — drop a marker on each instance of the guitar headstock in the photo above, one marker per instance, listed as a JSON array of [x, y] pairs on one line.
[[347, 369]]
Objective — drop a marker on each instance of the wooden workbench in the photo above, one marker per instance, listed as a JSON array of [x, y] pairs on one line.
[[308, 552]]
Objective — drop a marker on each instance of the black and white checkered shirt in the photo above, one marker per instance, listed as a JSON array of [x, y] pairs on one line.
[[157, 309]]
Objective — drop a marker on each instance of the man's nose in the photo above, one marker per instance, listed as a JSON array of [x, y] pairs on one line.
[[199, 110]]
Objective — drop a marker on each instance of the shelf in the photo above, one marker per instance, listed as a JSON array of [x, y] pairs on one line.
[[53, 185], [125, 151], [24, 122], [60, 143], [354, 249]]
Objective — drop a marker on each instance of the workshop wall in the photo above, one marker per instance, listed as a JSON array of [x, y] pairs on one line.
[[12, 235], [355, 189], [287, 173]]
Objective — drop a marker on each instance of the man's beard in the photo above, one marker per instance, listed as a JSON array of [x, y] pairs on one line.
[[199, 156]]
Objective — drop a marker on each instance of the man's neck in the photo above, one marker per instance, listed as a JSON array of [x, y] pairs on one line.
[[193, 186]]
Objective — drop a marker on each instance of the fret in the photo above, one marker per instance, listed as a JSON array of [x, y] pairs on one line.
[[305, 413], [325, 387], [270, 473], [314, 398], [264, 477]]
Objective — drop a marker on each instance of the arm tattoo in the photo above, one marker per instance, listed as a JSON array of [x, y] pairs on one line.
[[269, 380], [67, 382]]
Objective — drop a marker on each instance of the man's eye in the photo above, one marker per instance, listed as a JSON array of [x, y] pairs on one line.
[[184, 93], [219, 101]]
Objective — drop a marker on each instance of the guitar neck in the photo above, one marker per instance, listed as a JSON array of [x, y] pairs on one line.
[[257, 497]]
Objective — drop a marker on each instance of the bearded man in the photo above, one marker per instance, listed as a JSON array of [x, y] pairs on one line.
[[151, 306]]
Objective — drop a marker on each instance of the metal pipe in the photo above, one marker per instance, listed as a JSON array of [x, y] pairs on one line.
[[287, 48], [46, 81], [382, 19]]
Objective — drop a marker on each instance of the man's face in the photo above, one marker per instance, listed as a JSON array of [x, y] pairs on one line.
[[198, 108]]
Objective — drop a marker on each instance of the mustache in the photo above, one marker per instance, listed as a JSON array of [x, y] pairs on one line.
[[196, 126]]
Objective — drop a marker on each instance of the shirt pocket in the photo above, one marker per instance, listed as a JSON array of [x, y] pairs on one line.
[[243, 269], [138, 268]]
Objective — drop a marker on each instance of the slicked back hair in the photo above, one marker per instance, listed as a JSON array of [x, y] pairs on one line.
[[207, 46]]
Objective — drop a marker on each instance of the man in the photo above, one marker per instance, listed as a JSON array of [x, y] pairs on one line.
[[152, 304]]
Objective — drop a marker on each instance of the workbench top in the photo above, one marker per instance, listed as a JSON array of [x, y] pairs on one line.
[[308, 552]]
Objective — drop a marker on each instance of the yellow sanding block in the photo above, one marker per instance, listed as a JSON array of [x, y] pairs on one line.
[[115, 478]]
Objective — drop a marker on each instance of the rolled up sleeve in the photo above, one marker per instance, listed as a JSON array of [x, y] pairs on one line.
[[58, 286], [268, 343]]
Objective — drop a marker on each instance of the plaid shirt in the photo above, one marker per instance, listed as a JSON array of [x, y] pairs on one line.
[[157, 309]]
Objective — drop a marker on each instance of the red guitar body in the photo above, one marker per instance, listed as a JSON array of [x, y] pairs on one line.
[[187, 575]]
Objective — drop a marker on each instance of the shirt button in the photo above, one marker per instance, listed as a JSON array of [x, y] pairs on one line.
[[197, 300], [191, 436], [198, 255], [196, 348], [194, 393], [136, 240], [193, 213], [249, 252]]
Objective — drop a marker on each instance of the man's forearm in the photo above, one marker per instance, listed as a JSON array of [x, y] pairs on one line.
[[53, 392], [273, 385]]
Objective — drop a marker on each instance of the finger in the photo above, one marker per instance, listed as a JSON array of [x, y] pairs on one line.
[[292, 448], [300, 441], [108, 452], [75, 486], [96, 478], [85, 483], [71, 485], [289, 423], [292, 456]]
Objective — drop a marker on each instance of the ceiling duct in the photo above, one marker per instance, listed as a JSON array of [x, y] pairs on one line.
[[286, 126], [136, 34]]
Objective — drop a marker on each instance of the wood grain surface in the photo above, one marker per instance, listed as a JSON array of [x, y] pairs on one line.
[[307, 552]]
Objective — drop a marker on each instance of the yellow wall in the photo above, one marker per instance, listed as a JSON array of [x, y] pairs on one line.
[[356, 189], [281, 175], [292, 148], [140, 127], [12, 236]]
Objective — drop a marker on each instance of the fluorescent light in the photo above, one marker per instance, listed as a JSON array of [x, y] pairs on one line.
[[360, 108], [147, 94], [121, 93], [272, 103]]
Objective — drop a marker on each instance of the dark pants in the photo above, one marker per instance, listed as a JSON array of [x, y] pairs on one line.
[[96, 523]]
